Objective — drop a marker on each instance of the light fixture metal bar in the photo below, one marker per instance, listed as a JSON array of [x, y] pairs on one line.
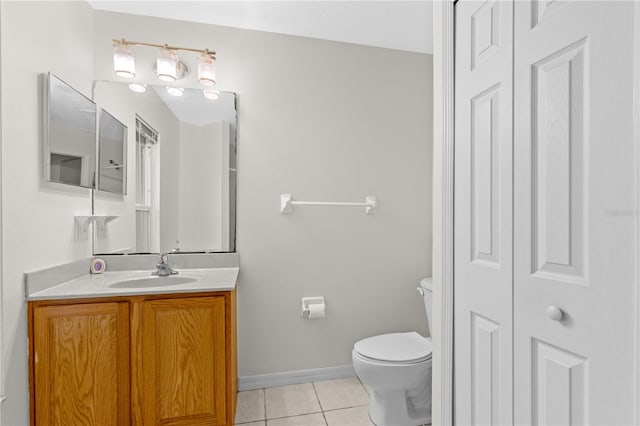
[[163, 46]]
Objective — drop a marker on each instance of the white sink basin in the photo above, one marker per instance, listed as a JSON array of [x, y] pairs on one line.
[[155, 281]]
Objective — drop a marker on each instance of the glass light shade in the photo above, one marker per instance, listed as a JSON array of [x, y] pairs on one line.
[[124, 64], [175, 91], [213, 95], [138, 87], [207, 70], [167, 65]]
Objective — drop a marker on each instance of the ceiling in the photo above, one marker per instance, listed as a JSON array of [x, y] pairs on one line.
[[401, 25]]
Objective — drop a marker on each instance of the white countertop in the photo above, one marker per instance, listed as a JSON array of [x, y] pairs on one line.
[[111, 284]]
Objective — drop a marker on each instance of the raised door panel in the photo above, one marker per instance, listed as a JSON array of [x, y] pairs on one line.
[[81, 364], [485, 32], [485, 196], [558, 169], [485, 371], [184, 361], [560, 386], [542, 10]]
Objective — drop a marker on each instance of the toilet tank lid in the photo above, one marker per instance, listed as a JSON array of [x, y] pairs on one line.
[[395, 347]]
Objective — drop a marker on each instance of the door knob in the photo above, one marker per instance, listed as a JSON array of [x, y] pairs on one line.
[[554, 313]]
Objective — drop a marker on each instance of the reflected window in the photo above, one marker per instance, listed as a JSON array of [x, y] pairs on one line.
[[146, 146]]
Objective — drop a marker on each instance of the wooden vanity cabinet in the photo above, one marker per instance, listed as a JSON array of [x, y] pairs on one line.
[[141, 360]]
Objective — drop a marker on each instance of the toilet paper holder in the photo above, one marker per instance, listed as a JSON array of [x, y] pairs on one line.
[[313, 307]]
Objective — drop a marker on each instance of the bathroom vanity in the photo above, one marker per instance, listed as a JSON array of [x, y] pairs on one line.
[[126, 348]]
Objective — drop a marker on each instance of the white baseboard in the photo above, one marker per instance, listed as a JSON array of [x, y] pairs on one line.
[[295, 377]]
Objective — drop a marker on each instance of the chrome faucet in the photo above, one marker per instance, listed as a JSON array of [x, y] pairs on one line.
[[163, 268]]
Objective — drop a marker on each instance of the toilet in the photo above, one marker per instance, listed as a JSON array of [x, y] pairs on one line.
[[397, 368]]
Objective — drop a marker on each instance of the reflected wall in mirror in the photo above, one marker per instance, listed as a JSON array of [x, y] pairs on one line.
[[181, 173], [69, 132], [112, 161]]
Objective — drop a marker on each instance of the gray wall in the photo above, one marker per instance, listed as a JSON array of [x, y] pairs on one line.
[[202, 157], [323, 121]]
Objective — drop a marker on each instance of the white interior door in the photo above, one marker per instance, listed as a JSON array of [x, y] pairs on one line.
[[483, 213], [574, 194]]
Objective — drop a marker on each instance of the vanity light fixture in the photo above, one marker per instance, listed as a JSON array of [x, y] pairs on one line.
[[213, 95], [124, 64], [138, 87], [168, 66], [175, 91], [207, 69]]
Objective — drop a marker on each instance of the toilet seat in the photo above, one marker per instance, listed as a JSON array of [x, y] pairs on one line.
[[395, 348]]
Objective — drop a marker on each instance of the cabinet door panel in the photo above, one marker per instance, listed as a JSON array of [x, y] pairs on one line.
[[184, 361], [76, 347]]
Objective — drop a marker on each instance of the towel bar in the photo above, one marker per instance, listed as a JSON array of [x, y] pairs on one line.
[[287, 203]]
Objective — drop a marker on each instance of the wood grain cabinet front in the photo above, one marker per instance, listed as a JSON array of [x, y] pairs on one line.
[[81, 362], [182, 360], [137, 360]]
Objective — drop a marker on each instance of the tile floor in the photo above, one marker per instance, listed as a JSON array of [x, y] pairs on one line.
[[340, 402]]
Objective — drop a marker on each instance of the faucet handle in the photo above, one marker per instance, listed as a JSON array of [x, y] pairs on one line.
[[163, 256]]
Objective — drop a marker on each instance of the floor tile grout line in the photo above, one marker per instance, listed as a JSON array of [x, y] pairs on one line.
[[264, 404], [345, 408], [315, 390], [362, 386], [319, 402], [295, 415], [299, 414], [306, 414]]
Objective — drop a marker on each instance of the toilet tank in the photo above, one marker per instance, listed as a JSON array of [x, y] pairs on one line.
[[426, 287]]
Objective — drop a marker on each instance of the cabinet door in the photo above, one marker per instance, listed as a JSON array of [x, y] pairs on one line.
[[183, 361], [81, 364]]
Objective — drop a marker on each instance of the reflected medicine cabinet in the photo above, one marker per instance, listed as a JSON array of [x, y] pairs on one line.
[[112, 158], [69, 130], [75, 142]]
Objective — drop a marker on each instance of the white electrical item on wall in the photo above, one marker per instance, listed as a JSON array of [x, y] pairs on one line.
[[313, 307]]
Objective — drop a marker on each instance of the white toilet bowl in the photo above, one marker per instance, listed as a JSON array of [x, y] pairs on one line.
[[397, 368]]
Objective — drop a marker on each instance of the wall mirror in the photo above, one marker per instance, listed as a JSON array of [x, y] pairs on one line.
[[69, 132], [181, 175]]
